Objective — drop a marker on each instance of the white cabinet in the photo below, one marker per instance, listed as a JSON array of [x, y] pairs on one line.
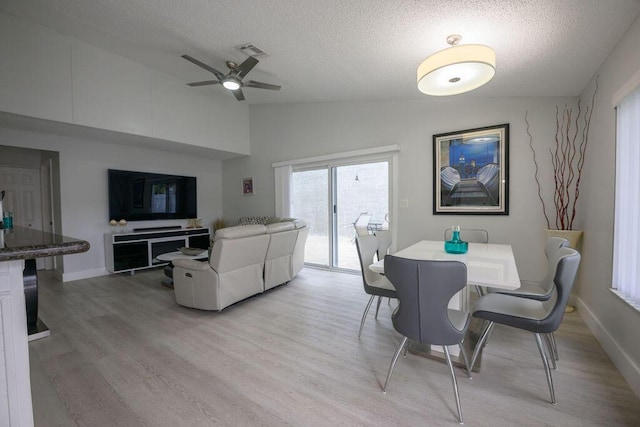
[[15, 386]]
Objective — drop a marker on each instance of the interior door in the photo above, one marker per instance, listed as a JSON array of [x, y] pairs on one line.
[[23, 198]]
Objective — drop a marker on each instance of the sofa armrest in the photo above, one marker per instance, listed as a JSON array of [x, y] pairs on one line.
[[191, 264]]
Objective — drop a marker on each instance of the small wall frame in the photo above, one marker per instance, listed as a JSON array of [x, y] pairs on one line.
[[247, 187]]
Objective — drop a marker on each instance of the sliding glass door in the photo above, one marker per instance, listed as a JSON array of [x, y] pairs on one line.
[[331, 198], [310, 198]]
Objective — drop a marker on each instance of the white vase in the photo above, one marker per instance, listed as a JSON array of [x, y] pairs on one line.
[[573, 236], [575, 241]]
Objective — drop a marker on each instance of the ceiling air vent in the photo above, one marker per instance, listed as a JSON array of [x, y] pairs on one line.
[[251, 49]]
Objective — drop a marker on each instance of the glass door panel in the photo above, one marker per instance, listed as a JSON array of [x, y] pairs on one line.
[[360, 188], [310, 201]]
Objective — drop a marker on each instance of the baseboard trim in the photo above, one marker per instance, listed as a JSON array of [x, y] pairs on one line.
[[84, 274], [629, 370]]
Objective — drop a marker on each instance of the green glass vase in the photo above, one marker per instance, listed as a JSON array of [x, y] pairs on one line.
[[456, 245]]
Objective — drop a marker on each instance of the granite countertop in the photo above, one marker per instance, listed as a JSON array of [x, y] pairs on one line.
[[27, 243]]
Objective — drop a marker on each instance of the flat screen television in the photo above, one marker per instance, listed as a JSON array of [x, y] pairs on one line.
[[141, 196]]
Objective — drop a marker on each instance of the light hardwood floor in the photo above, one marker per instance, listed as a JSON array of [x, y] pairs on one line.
[[122, 353]]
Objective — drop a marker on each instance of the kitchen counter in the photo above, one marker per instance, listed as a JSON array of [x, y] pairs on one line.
[[27, 243], [18, 296]]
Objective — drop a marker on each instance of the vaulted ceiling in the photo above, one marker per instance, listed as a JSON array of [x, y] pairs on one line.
[[349, 50]]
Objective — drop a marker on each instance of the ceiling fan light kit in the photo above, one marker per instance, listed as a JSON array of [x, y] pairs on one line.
[[457, 69], [233, 79], [231, 84]]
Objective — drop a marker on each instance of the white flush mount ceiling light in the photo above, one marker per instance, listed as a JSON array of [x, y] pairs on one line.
[[457, 69]]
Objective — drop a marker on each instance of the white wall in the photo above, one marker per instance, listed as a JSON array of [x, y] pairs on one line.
[[49, 76], [285, 132], [612, 321], [83, 187]]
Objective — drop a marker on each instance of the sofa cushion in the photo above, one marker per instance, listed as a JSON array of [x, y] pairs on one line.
[[280, 226], [239, 231], [250, 220]]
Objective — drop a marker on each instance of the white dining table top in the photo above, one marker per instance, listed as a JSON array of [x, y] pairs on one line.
[[488, 264]]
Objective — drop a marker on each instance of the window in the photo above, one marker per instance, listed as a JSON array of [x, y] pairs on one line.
[[626, 243]]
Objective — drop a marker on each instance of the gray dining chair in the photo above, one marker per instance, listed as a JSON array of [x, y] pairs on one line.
[[541, 290], [375, 284], [361, 224], [384, 242], [538, 317], [471, 235], [424, 289]]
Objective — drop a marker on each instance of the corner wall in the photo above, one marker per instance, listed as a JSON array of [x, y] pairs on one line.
[[614, 322]]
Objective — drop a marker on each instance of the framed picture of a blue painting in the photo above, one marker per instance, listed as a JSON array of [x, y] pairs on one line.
[[471, 171]]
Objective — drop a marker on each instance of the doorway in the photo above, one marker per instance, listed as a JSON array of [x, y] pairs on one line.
[[331, 198], [27, 177]]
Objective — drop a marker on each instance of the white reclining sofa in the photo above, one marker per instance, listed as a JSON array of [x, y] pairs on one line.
[[245, 260]]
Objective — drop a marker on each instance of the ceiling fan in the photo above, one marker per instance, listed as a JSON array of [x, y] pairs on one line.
[[233, 79]]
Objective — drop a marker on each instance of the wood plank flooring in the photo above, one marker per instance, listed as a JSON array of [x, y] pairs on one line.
[[123, 353]]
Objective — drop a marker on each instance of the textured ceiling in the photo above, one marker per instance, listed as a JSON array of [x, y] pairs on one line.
[[339, 50]]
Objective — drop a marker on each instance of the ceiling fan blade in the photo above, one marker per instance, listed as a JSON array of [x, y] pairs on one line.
[[204, 83], [217, 73], [244, 68], [260, 85], [238, 94]]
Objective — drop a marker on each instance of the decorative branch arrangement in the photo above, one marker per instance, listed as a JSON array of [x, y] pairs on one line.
[[567, 159]]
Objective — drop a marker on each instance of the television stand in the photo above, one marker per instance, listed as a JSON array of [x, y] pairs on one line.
[[129, 252]]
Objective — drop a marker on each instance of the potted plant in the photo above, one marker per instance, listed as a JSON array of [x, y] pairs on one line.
[[567, 160], [219, 223]]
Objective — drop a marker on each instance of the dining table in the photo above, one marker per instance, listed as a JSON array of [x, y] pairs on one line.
[[488, 265]]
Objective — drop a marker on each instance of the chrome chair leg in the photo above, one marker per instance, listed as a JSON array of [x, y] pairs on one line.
[[364, 316], [552, 355], [393, 363], [543, 355], [454, 382], [406, 349], [487, 340], [552, 336], [466, 360], [480, 343], [378, 307]]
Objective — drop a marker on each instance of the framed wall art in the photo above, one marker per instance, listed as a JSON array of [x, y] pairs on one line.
[[471, 171], [247, 187]]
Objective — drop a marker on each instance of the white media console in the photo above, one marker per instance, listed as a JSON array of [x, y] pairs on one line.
[[127, 252]]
